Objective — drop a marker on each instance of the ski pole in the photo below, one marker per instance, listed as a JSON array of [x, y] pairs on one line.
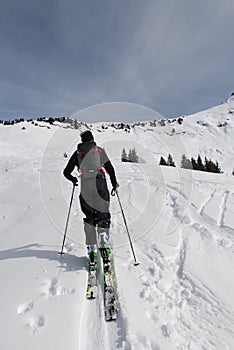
[[65, 233], [125, 222]]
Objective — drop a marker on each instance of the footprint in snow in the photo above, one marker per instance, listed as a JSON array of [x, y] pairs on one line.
[[23, 308], [53, 289], [36, 323]]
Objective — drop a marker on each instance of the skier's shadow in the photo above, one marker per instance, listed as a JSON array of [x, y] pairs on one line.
[[68, 262]]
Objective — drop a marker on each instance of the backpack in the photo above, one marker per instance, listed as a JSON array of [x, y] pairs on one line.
[[91, 160]]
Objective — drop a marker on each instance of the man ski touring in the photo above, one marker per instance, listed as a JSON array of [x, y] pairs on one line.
[[92, 163]]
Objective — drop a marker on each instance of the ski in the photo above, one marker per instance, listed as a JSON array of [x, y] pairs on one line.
[[110, 304], [91, 290]]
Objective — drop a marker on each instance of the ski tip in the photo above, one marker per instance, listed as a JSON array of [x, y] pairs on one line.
[[136, 263]]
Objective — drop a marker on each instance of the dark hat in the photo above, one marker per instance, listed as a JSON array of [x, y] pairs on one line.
[[86, 136]]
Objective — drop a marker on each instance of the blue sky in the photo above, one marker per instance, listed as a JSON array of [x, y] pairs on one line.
[[61, 56]]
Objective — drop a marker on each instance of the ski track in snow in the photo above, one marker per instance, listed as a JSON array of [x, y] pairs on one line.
[[166, 285], [93, 327], [223, 209], [188, 304]]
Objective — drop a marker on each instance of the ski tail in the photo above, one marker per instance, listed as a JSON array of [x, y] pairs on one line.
[[91, 289], [109, 290]]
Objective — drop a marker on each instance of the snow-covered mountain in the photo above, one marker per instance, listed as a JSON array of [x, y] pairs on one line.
[[181, 222]]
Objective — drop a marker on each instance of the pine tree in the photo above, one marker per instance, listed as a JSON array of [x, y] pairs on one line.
[[124, 156], [162, 161], [134, 157], [194, 164], [170, 161], [206, 164], [51, 121], [210, 166], [130, 155], [218, 169], [200, 165], [75, 124], [185, 162]]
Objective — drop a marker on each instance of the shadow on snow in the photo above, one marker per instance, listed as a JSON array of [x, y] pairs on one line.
[[68, 262]]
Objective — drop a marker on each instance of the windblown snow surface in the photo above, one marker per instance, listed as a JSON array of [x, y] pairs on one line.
[[181, 223]]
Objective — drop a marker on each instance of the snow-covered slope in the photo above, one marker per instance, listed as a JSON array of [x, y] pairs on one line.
[[181, 222]]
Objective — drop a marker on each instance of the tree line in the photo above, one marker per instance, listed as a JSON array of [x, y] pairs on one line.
[[198, 164], [207, 165], [195, 164]]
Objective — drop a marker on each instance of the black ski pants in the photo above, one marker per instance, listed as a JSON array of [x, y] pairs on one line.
[[95, 203]]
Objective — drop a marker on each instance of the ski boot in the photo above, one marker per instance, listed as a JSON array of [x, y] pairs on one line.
[[104, 238], [92, 253]]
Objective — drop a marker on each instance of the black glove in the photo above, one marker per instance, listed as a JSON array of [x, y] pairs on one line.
[[74, 181], [114, 189]]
